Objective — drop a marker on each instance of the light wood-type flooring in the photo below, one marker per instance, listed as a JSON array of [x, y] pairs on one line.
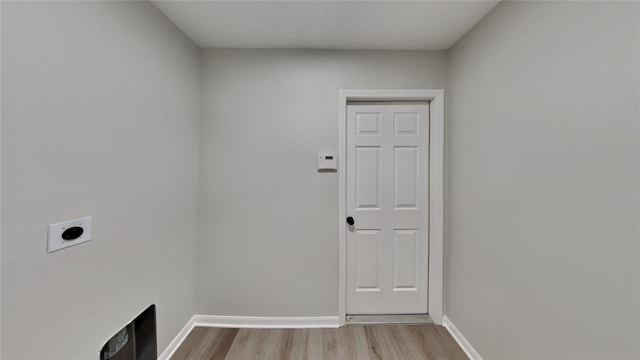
[[349, 342]]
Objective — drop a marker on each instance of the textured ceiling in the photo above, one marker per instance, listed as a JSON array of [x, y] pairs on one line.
[[392, 25]]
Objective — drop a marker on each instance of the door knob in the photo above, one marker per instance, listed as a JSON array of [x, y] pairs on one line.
[[350, 220]]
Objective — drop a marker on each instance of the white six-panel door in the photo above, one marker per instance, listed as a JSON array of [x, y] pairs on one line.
[[387, 197]]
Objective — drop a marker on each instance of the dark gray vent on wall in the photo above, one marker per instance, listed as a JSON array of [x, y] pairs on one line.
[[136, 341]]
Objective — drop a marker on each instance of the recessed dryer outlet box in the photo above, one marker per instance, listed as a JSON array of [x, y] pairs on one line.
[[68, 233]]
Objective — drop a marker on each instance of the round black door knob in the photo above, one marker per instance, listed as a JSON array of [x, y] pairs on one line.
[[350, 221], [72, 233]]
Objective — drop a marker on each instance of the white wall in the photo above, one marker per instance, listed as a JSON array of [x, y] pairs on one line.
[[541, 239], [99, 117], [268, 240]]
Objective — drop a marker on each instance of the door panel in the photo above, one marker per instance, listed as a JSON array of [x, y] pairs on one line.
[[405, 177], [367, 245], [387, 195], [406, 123], [405, 260], [368, 177], [368, 124]]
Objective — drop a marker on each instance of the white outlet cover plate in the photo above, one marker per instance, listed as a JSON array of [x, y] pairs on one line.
[[55, 241]]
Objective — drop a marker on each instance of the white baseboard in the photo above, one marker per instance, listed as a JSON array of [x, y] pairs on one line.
[[256, 322], [261, 322], [175, 344], [460, 339]]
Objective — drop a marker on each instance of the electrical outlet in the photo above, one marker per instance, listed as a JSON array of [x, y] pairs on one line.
[[68, 233]]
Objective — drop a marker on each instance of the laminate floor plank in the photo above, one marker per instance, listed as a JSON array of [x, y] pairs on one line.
[[442, 343], [255, 344], [383, 343], [386, 342], [353, 343], [297, 345], [206, 344], [416, 336], [409, 346], [343, 343], [314, 344]]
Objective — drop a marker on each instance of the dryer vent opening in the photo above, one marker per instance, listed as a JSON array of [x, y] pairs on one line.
[[135, 341]]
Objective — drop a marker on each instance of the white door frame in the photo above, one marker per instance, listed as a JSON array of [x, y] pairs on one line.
[[436, 183]]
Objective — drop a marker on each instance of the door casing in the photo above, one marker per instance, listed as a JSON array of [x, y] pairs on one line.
[[436, 186]]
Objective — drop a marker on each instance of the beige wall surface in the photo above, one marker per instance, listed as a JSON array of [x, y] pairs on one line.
[[99, 118], [542, 182]]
